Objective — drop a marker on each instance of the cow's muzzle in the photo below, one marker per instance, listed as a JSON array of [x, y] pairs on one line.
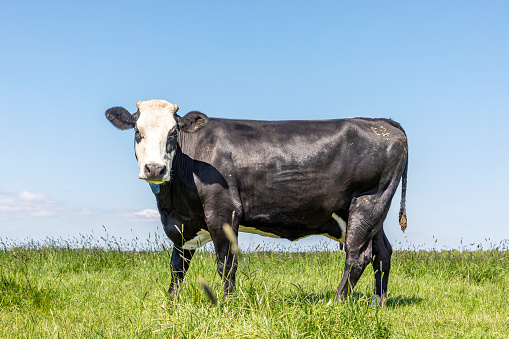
[[154, 172]]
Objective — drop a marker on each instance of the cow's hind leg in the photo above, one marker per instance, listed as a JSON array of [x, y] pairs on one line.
[[358, 246], [366, 215], [382, 252], [180, 260]]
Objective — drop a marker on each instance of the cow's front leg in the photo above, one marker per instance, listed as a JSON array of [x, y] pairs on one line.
[[226, 261], [180, 260]]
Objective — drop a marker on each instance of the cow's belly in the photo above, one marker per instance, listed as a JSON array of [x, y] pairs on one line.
[[338, 233]]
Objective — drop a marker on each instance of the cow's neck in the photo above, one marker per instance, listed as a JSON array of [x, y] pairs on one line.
[[180, 193]]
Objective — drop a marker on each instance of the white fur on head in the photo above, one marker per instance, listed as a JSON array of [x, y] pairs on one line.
[[157, 118]]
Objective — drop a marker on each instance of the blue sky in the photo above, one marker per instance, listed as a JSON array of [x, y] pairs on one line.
[[440, 68]]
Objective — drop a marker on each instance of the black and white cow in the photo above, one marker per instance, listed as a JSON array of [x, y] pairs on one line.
[[287, 179]]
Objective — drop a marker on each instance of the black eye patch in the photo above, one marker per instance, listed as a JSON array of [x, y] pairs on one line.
[[171, 141], [137, 135]]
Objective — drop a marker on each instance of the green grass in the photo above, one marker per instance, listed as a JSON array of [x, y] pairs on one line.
[[58, 292]]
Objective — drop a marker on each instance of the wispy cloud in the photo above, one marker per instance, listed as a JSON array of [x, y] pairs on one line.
[[34, 215], [31, 197], [148, 213], [26, 203]]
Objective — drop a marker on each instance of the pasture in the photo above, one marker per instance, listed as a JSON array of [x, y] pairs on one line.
[[73, 289]]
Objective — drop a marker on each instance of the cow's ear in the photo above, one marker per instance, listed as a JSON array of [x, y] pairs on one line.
[[192, 121], [121, 118]]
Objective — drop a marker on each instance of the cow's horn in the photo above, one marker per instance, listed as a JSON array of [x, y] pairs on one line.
[[138, 103], [176, 107]]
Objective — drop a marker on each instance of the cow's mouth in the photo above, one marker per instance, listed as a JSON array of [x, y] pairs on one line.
[[157, 181], [154, 173]]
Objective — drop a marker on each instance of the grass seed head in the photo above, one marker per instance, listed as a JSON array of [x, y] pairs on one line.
[[208, 291], [232, 237]]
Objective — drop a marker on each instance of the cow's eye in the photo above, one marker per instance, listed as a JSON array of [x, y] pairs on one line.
[[171, 141], [171, 144], [137, 135]]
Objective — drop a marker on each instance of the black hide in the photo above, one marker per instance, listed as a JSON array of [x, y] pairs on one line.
[[287, 178]]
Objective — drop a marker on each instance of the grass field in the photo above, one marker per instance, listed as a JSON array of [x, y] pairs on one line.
[[62, 291]]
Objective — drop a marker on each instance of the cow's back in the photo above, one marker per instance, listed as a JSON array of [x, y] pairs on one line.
[[294, 172]]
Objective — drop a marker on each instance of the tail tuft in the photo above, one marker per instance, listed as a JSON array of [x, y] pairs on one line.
[[402, 221]]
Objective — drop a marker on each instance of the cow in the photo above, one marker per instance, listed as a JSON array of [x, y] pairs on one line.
[[287, 179]]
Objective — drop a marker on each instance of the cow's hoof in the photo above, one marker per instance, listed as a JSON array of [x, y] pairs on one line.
[[173, 292], [376, 301]]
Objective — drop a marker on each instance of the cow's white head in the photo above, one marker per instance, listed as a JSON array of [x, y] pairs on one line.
[[156, 126]]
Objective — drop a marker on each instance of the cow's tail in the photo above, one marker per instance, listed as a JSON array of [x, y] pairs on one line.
[[402, 210]]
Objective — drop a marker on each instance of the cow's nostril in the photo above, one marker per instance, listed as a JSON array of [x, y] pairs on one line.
[[152, 170]]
